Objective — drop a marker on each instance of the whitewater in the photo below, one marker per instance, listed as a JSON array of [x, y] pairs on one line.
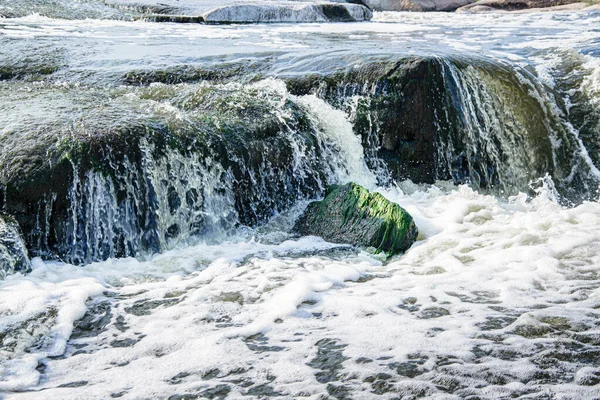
[[498, 298]]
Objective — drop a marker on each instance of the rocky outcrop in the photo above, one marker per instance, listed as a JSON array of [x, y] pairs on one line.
[[350, 214], [13, 252], [473, 121], [269, 12], [100, 174], [416, 5], [401, 108], [320, 12], [513, 5]]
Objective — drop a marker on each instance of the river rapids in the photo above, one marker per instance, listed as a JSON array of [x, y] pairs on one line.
[[164, 268]]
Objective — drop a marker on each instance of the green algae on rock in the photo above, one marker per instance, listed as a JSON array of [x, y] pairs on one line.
[[350, 214]]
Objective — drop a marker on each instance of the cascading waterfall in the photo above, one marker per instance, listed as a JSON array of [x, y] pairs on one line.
[[197, 175], [157, 171], [170, 198], [511, 132]]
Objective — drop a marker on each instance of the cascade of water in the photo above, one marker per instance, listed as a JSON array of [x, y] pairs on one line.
[[509, 132], [171, 197], [343, 148]]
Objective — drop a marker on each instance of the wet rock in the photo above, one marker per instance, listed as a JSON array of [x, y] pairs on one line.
[[240, 11], [114, 182], [416, 5], [13, 252], [512, 5], [291, 12], [415, 118], [350, 214], [265, 12], [402, 108]]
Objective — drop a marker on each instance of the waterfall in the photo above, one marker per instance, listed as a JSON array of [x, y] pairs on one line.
[[152, 197], [162, 166]]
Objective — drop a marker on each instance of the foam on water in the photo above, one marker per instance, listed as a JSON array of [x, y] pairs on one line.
[[497, 298]]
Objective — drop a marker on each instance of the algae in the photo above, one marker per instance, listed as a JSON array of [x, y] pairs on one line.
[[350, 214]]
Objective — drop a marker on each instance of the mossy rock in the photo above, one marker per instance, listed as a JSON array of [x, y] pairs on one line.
[[13, 253], [350, 214]]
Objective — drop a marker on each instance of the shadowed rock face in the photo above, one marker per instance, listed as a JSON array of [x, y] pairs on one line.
[[401, 108], [350, 214], [13, 253], [474, 121], [407, 117]]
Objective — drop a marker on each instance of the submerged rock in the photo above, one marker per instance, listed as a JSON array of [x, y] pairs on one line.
[[13, 253], [350, 214]]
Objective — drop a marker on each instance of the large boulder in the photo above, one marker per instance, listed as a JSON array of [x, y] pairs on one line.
[[488, 124], [350, 214], [399, 109], [101, 174], [13, 252], [416, 5]]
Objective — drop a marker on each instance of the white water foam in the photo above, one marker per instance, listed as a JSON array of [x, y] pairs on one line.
[[490, 292]]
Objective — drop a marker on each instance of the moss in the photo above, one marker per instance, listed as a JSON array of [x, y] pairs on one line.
[[350, 214]]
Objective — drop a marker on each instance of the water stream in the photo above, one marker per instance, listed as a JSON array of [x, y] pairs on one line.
[[168, 163]]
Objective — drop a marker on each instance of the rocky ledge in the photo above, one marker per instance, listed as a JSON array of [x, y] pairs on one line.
[[264, 11], [350, 214]]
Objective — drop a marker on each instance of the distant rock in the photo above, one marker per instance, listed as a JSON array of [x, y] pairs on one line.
[[350, 214], [266, 11], [13, 253], [416, 5], [303, 12], [514, 5]]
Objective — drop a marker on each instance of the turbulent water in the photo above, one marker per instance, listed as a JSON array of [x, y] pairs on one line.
[[499, 297]]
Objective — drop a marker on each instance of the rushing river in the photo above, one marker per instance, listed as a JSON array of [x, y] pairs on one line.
[[499, 297]]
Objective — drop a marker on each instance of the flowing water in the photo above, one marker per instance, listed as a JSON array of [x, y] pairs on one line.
[[193, 287]]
